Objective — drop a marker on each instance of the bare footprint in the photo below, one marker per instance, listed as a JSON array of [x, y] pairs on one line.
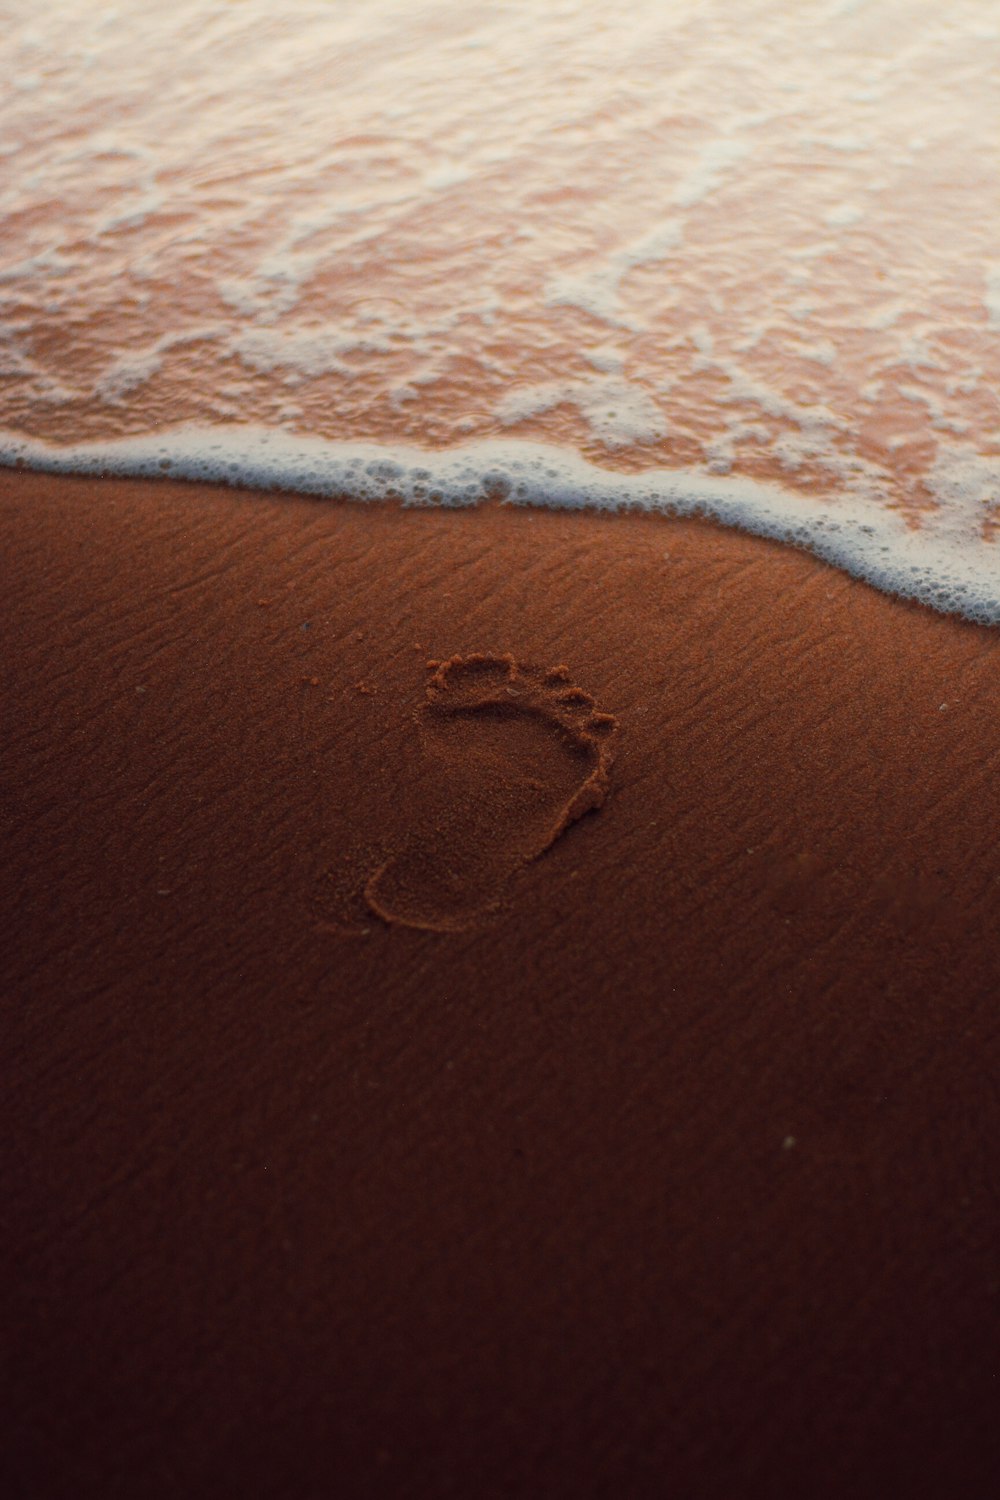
[[512, 756]]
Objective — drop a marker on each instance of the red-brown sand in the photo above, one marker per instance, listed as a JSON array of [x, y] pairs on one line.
[[667, 1168]]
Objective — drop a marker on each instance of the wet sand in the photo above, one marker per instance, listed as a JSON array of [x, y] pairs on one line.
[[666, 1168]]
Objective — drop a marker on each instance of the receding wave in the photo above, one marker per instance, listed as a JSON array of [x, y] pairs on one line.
[[736, 257]]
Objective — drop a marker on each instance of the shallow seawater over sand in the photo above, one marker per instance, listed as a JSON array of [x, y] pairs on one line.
[[738, 258]]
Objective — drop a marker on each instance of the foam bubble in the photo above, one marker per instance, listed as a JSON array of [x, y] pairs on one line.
[[709, 171], [618, 414]]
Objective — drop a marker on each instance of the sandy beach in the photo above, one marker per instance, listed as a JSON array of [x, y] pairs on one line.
[[499, 798], [665, 1168]]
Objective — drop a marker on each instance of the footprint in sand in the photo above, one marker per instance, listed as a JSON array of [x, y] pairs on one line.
[[512, 756]]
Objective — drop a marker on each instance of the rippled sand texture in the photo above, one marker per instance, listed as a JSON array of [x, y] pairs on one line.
[[757, 238]]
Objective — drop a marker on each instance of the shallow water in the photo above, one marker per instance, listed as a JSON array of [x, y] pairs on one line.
[[732, 256]]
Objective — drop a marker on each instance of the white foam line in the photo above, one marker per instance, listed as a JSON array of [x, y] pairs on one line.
[[950, 568]]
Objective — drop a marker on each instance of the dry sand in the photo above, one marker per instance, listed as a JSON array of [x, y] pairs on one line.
[[667, 1168]]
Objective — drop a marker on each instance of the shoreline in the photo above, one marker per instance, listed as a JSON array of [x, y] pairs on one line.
[[690, 1130], [945, 563]]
